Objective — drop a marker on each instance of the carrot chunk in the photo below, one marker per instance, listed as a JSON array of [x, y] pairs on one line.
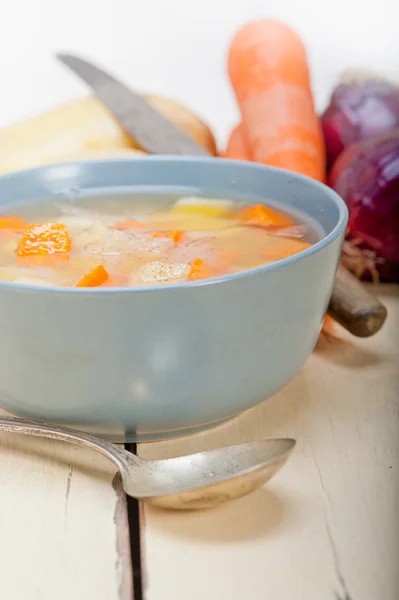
[[96, 277], [174, 235], [132, 224], [265, 216], [199, 270], [11, 222], [43, 239]]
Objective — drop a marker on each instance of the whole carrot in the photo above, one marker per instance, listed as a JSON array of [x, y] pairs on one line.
[[237, 145], [269, 72]]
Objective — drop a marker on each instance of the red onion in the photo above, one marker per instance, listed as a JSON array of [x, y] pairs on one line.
[[366, 175], [359, 109]]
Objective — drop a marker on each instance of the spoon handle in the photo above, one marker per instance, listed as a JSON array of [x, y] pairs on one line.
[[36, 428]]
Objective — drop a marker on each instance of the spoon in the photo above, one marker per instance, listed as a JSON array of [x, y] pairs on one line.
[[196, 481]]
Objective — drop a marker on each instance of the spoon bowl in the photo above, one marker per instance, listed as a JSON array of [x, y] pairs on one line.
[[206, 479], [196, 481]]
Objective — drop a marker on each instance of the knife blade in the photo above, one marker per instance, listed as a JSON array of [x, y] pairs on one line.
[[148, 127]]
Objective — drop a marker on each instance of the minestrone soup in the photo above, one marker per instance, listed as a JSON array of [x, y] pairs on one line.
[[125, 241]]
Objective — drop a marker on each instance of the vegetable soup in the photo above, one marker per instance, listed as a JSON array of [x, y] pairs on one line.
[[130, 240]]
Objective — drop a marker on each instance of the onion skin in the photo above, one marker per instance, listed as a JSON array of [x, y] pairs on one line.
[[358, 110], [366, 176]]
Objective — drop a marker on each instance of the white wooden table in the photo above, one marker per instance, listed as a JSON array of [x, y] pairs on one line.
[[324, 527]]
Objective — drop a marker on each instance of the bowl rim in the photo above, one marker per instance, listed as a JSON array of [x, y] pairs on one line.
[[338, 229]]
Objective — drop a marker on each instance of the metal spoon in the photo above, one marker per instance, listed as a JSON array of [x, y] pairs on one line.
[[200, 480]]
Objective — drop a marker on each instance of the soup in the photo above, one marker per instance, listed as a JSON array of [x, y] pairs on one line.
[[129, 241]]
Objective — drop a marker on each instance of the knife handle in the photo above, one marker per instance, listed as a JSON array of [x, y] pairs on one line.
[[354, 307]]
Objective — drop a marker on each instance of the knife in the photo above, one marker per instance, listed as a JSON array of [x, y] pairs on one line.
[[148, 127]]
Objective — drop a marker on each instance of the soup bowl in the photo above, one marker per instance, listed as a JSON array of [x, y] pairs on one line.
[[153, 362]]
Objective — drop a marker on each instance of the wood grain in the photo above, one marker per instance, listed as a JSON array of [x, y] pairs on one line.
[[63, 523], [326, 526]]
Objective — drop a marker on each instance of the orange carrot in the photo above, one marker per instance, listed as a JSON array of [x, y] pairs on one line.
[[269, 72], [11, 222], [95, 278], [237, 145], [264, 216], [199, 270], [121, 225], [175, 235], [43, 239]]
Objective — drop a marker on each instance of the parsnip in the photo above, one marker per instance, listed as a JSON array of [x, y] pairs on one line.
[[83, 129]]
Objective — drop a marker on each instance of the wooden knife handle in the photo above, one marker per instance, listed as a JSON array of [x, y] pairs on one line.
[[354, 307]]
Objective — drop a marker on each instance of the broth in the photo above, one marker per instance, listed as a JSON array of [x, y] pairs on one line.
[[127, 240]]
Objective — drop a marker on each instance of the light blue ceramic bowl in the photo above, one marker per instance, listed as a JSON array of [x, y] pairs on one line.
[[156, 362]]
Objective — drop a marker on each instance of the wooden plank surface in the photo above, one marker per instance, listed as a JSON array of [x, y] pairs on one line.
[[63, 523], [327, 526]]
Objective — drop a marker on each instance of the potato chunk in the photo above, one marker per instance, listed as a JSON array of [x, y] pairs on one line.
[[209, 207], [154, 272]]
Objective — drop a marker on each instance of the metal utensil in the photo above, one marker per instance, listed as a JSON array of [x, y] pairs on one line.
[[200, 480], [154, 133]]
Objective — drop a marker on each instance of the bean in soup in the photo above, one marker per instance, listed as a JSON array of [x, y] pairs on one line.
[[136, 241]]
